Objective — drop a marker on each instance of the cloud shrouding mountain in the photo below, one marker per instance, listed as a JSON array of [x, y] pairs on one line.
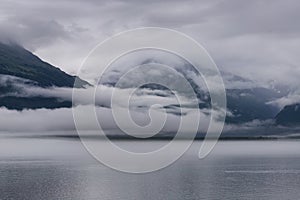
[[140, 104], [256, 39]]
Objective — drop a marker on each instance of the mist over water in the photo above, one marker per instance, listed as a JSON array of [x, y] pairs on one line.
[[60, 168]]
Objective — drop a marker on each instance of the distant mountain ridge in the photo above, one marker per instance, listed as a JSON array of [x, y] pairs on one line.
[[246, 101]]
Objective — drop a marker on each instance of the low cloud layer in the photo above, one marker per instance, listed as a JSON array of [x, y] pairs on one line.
[[62, 120], [141, 102]]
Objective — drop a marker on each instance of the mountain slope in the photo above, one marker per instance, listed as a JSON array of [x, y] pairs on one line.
[[289, 115], [20, 69], [19, 62]]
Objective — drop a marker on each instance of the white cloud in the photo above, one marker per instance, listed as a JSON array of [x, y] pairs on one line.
[[290, 99]]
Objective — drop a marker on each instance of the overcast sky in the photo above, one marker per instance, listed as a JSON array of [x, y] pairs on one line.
[[258, 39]]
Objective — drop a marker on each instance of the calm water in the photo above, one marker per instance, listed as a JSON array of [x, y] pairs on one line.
[[32, 168]]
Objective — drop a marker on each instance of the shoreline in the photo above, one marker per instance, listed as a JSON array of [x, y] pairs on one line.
[[158, 138]]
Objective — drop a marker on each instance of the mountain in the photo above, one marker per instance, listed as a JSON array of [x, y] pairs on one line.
[[19, 62], [289, 115], [246, 100], [19, 69], [249, 104]]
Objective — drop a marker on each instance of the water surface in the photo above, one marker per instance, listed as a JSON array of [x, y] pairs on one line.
[[39, 168]]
